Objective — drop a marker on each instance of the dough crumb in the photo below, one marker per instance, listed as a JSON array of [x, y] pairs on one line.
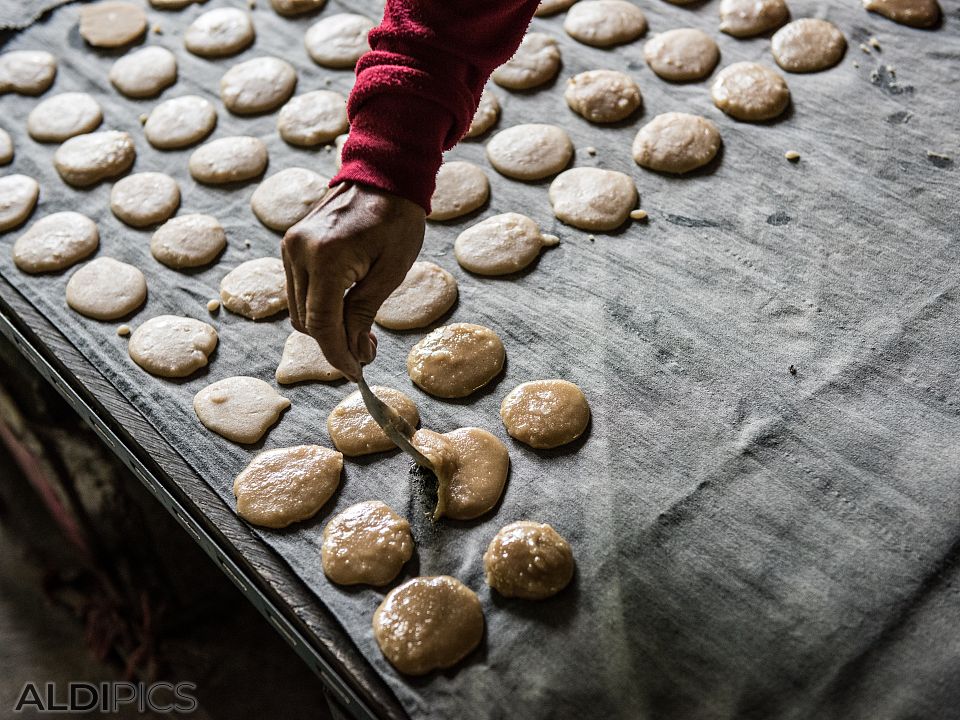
[[865, 48], [550, 240], [157, 30], [891, 70], [874, 42], [251, 4], [591, 238], [143, 118], [246, 243], [792, 155], [123, 330], [591, 150], [793, 370], [639, 215], [856, 64], [213, 305]]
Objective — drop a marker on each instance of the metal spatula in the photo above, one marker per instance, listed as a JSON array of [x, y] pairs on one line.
[[392, 423]]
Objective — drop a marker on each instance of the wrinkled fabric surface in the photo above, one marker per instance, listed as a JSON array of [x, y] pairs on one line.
[[750, 543]]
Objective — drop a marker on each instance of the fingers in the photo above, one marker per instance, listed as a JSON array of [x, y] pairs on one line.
[[362, 303], [294, 298], [324, 321]]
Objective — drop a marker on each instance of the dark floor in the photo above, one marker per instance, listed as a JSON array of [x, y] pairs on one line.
[[139, 601]]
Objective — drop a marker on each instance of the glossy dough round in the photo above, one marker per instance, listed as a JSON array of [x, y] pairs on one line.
[[751, 92], [239, 408], [145, 198], [603, 96], [144, 73], [501, 244], [425, 295], [313, 118], [255, 289], [219, 32], [355, 432], [228, 159], [27, 72], [85, 160], [456, 360], [530, 152], [603, 23], [592, 198], [545, 414], [682, 55], [676, 143], [916, 13], [366, 544], [180, 122], [106, 289], [257, 85], [303, 360], [808, 45], [746, 18], [172, 346], [63, 116], [528, 560]]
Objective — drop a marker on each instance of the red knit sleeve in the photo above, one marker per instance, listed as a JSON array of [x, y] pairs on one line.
[[418, 87]]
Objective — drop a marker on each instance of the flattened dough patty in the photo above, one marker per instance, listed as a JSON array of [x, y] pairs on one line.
[[18, 197], [172, 346], [255, 289], [676, 143], [338, 41], [751, 92], [424, 296], [106, 289], [486, 116], [366, 544], [355, 432], [603, 23], [536, 62], [180, 122], [528, 560], [61, 117], [144, 73], [27, 72], [145, 198], [456, 360], [313, 118], [461, 188], [285, 197], [239, 408], [112, 24], [219, 32], [56, 242], [188, 241], [228, 159], [682, 55], [85, 160], [592, 198], [746, 18], [808, 45], [916, 13], [257, 85], [303, 360], [531, 151], [603, 96], [545, 414], [501, 244]]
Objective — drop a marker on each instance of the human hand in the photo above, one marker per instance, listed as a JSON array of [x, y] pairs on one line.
[[356, 238]]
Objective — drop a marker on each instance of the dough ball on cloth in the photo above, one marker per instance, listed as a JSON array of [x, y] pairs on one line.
[[228, 159], [603, 96], [746, 18], [456, 360], [486, 116], [256, 289], [531, 151], [528, 560], [172, 346], [257, 85], [593, 199], [354, 431], [219, 32], [27, 72], [545, 414], [751, 92], [112, 24], [56, 242], [808, 45], [85, 160], [428, 623], [303, 360], [106, 289], [239, 408], [425, 295], [682, 55], [287, 196], [536, 62], [287, 485], [603, 23], [188, 241], [180, 122], [144, 73], [676, 143], [61, 117], [461, 188], [501, 245], [338, 41], [18, 197], [313, 118], [366, 544], [145, 198]]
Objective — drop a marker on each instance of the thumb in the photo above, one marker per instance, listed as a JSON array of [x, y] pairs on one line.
[[360, 306]]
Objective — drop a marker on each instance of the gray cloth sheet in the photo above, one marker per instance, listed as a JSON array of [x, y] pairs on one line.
[[750, 543]]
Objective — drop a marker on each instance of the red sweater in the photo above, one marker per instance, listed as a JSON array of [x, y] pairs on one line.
[[418, 87]]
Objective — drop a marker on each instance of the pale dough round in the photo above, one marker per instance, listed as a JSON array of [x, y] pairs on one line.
[[530, 152], [255, 289], [219, 32], [62, 116], [285, 197], [172, 346], [145, 198], [239, 408], [916, 13], [603, 23], [180, 122], [676, 143], [428, 623], [188, 241], [545, 414], [682, 55], [257, 85], [56, 242], [808, 45], [552, 7], [112, 24], [338, 41], [751, 92], [171, 4], [144, 73], [303, 360], [286, 485], [471, 466], [288, 8], [592, 198], [461, 188], [6, 147], [501, 244], [228, 159], [456, 360], [85, 160], [528, 560], [18, 197], [536, 62], [355, 432], [106, 289], [603, 96], [488, 111], [313, 118], [746, 18], [27, 72], [366, 544], [424, 296]]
